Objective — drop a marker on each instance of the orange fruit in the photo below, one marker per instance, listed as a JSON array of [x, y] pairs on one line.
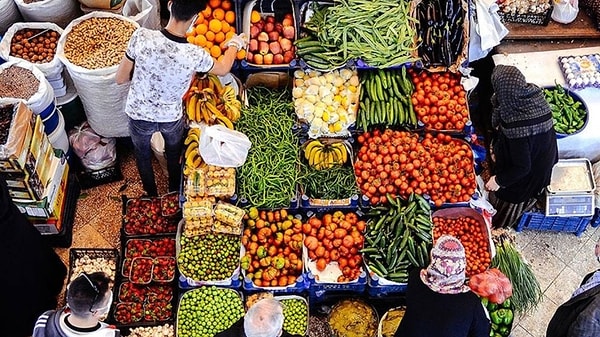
[[200, 40], [229, 35], [201, 29], [215, 51], [214, 25], [191, 33], [207, 12], [200, 19], [214, 3], [225, 27], [190, 39], [254, 16], [230, 17], [218, 13], [226, 5], [219, 37], [209, 45], [241, 54], [210, 36]]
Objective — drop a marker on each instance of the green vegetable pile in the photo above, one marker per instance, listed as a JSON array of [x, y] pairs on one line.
[[568, 115], [527, 293], [268, 177], [206, 311], [295, 315], [501, 316], [337, 182], [209, 257]]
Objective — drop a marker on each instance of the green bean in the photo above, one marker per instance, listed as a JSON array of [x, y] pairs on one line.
[[268, 178], [334, 183]]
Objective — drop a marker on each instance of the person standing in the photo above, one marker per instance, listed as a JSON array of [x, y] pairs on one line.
[[88, 302], [160, 66], [525, 148], [580, 315], [438, 302]]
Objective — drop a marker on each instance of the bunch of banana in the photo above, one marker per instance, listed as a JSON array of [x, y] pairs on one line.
[[210, 102], [323, 156], [192, 155]]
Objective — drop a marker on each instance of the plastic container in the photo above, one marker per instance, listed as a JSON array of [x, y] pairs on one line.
[[318, 289], [51, 121], [141, 270], [381, 287], [96, 257], [384, 317], [163, 269], [539, 221], [300, 286], [58, 138], [298, 298]]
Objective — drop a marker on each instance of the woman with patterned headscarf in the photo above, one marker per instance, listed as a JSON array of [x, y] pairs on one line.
[[525, 148], [438, 302]]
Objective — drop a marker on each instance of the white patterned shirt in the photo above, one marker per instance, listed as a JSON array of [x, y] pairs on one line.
[[163, 68]]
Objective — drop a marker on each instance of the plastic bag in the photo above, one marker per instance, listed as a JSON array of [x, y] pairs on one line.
[[565, 11], [144, 12], [486, 29], [95, 152], [223, 147]]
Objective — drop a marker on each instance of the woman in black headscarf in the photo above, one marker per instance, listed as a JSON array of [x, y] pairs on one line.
[[525, 148]]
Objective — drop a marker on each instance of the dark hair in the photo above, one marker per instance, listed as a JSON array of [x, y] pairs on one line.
[[183, 10], [86, 291]]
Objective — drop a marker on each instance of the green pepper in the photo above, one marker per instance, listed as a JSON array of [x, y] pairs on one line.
[[504, 331], [502, 316], [492, 306], [497, 317], [495, 326], [498, 335], [506, 304], [484, 301], [508, 317]]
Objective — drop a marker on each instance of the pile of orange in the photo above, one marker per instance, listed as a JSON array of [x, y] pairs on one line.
[[215, 26]]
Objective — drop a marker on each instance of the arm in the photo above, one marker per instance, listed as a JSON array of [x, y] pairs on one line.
[[222, 67], [125, 70]]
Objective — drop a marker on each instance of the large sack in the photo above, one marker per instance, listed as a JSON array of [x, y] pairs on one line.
[[9, 14], [60, 12], [44, 97], [103, 4], [102, 98], [144, 12], [52, 69]]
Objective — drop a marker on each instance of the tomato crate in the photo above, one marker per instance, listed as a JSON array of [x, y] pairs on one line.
[[299, 287], [539, 221], [317, 289]]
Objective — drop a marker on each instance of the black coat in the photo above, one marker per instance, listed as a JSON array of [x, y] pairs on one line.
[[32, 274]]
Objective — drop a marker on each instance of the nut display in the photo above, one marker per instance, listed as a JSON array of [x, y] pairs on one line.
[[34, 45], [88, 265], [98, 42], [18, 82]]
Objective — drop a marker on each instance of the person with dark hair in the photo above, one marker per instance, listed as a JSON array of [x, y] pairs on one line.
[[525, 148], [438, 301], [160, 66], [580, 315], [33, 274], [88, 302]]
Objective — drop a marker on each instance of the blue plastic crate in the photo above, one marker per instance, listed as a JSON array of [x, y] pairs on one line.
[[318, 289], [375, 288], [231, 283], [539, 221], [297, 288]]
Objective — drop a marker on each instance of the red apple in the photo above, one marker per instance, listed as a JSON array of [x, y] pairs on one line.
[[289, 32], [263, 36], [269, 27], [286, 44], [260, 24], [250, 57], [288, 56], [279, 27], [263, 47], [258, 59], [288, 16], [270, 18], [273, 36], [253, 45], [288, 22], [254, 31], [268, 58], [278, 59], [275, 48]]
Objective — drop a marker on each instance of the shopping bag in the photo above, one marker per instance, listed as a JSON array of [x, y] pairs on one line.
[[565, 11], [486, 29], [223, 147]]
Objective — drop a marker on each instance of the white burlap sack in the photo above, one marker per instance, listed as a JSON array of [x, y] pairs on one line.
[[9, 14], [52, 69], [44, 95], [60, 12], [144, 12], [103, 99]]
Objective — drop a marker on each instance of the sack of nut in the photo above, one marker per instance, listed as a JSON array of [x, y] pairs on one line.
[[91, 48]]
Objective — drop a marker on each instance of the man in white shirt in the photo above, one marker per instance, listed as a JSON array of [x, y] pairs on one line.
[[160, 65]]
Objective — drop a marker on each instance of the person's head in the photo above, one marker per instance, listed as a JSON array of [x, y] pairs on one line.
[[185, 10], [89, 296], [446, 271], [520, 109], [264, 319]]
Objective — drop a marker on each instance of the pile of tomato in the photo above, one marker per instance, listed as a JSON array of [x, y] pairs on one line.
[[471, 234], [439, 100], [400, 163]]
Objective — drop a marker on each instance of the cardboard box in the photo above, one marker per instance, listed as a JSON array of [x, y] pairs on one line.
[[13, 154]]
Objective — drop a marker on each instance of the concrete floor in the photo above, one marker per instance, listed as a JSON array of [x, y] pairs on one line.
[[559, 260]]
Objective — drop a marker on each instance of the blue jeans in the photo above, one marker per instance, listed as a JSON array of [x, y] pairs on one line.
[[172, 132]]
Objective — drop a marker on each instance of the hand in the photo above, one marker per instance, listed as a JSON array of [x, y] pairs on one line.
[[492, 185], [238, 41]]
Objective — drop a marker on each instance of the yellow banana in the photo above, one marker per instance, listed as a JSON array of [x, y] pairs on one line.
[[225, 121], [213, 109], [189, 152], [216, 83], [199, 110], [191, 107], [312, 144], [197, 161]]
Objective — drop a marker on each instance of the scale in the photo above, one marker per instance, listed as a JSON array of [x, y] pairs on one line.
[[571, 190], [570, 205]]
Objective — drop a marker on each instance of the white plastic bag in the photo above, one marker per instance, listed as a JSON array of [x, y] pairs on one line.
[[565, 11], [94, 151], [486, 29], [52, 69], [144, 12], [9, 14], [223, 147], [60, 12], [44, 96]]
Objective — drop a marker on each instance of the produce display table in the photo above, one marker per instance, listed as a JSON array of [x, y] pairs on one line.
[[542, 68]]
